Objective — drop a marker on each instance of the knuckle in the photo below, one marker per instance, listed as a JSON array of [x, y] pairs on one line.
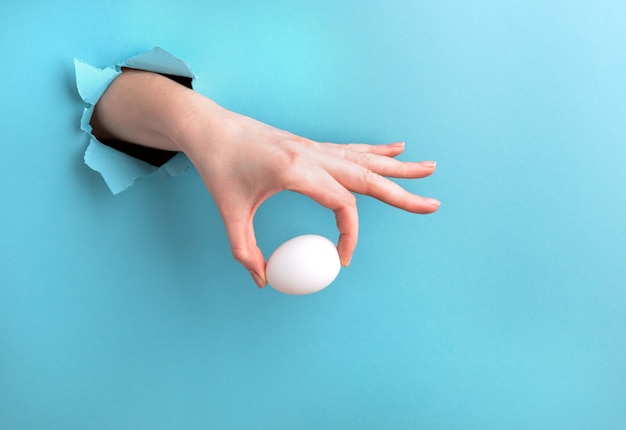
[[370, 180], [289, 173], [347, 149], [292, 156], [303, 141], [240, 254], [286, 164], [365, 158], [348, 200]]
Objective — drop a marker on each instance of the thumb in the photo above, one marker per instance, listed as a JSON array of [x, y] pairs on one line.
[[243, 245]]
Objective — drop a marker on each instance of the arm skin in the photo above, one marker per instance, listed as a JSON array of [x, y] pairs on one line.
[[243, 161]]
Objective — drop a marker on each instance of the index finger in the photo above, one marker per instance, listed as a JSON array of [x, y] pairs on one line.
[[326, 191]]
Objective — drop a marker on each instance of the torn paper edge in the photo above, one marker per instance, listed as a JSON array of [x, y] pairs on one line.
[[118, 169]]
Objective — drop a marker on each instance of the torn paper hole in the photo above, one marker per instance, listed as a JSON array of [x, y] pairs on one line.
[[118, 169]]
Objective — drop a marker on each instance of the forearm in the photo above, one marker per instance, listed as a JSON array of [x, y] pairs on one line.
[[147, 109]]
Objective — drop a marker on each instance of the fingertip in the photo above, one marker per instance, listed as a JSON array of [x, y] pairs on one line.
[[345, 259], [345, 248], [422, 205], [394, 149], [431, 205], [259, 280], [429, 164], [433, 202], [252, 260], [258, 271]]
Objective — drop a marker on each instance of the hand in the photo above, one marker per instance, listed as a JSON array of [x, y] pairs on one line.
[[243, 162]]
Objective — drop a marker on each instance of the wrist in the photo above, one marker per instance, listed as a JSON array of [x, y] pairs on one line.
[[196, 128]]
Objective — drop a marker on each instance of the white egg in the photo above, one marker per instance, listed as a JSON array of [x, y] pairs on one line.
[[303, 265]]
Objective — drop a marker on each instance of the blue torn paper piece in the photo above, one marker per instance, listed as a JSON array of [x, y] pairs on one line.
[[158, 60], [93, 82], [118, 169]]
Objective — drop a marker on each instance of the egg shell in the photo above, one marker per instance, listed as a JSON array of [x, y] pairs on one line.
[[303, 265]]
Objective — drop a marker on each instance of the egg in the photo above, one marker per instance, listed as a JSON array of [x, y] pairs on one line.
[[303, 265]]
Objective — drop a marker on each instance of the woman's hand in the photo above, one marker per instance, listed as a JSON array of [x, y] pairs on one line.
[[243, 161]]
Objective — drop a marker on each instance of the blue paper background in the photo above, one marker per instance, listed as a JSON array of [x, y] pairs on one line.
[[506, 309]]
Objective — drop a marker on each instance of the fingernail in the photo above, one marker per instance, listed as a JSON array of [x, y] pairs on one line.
[[398, 144], [432, 164], [433, 202], [345, 263], [258, 279]]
